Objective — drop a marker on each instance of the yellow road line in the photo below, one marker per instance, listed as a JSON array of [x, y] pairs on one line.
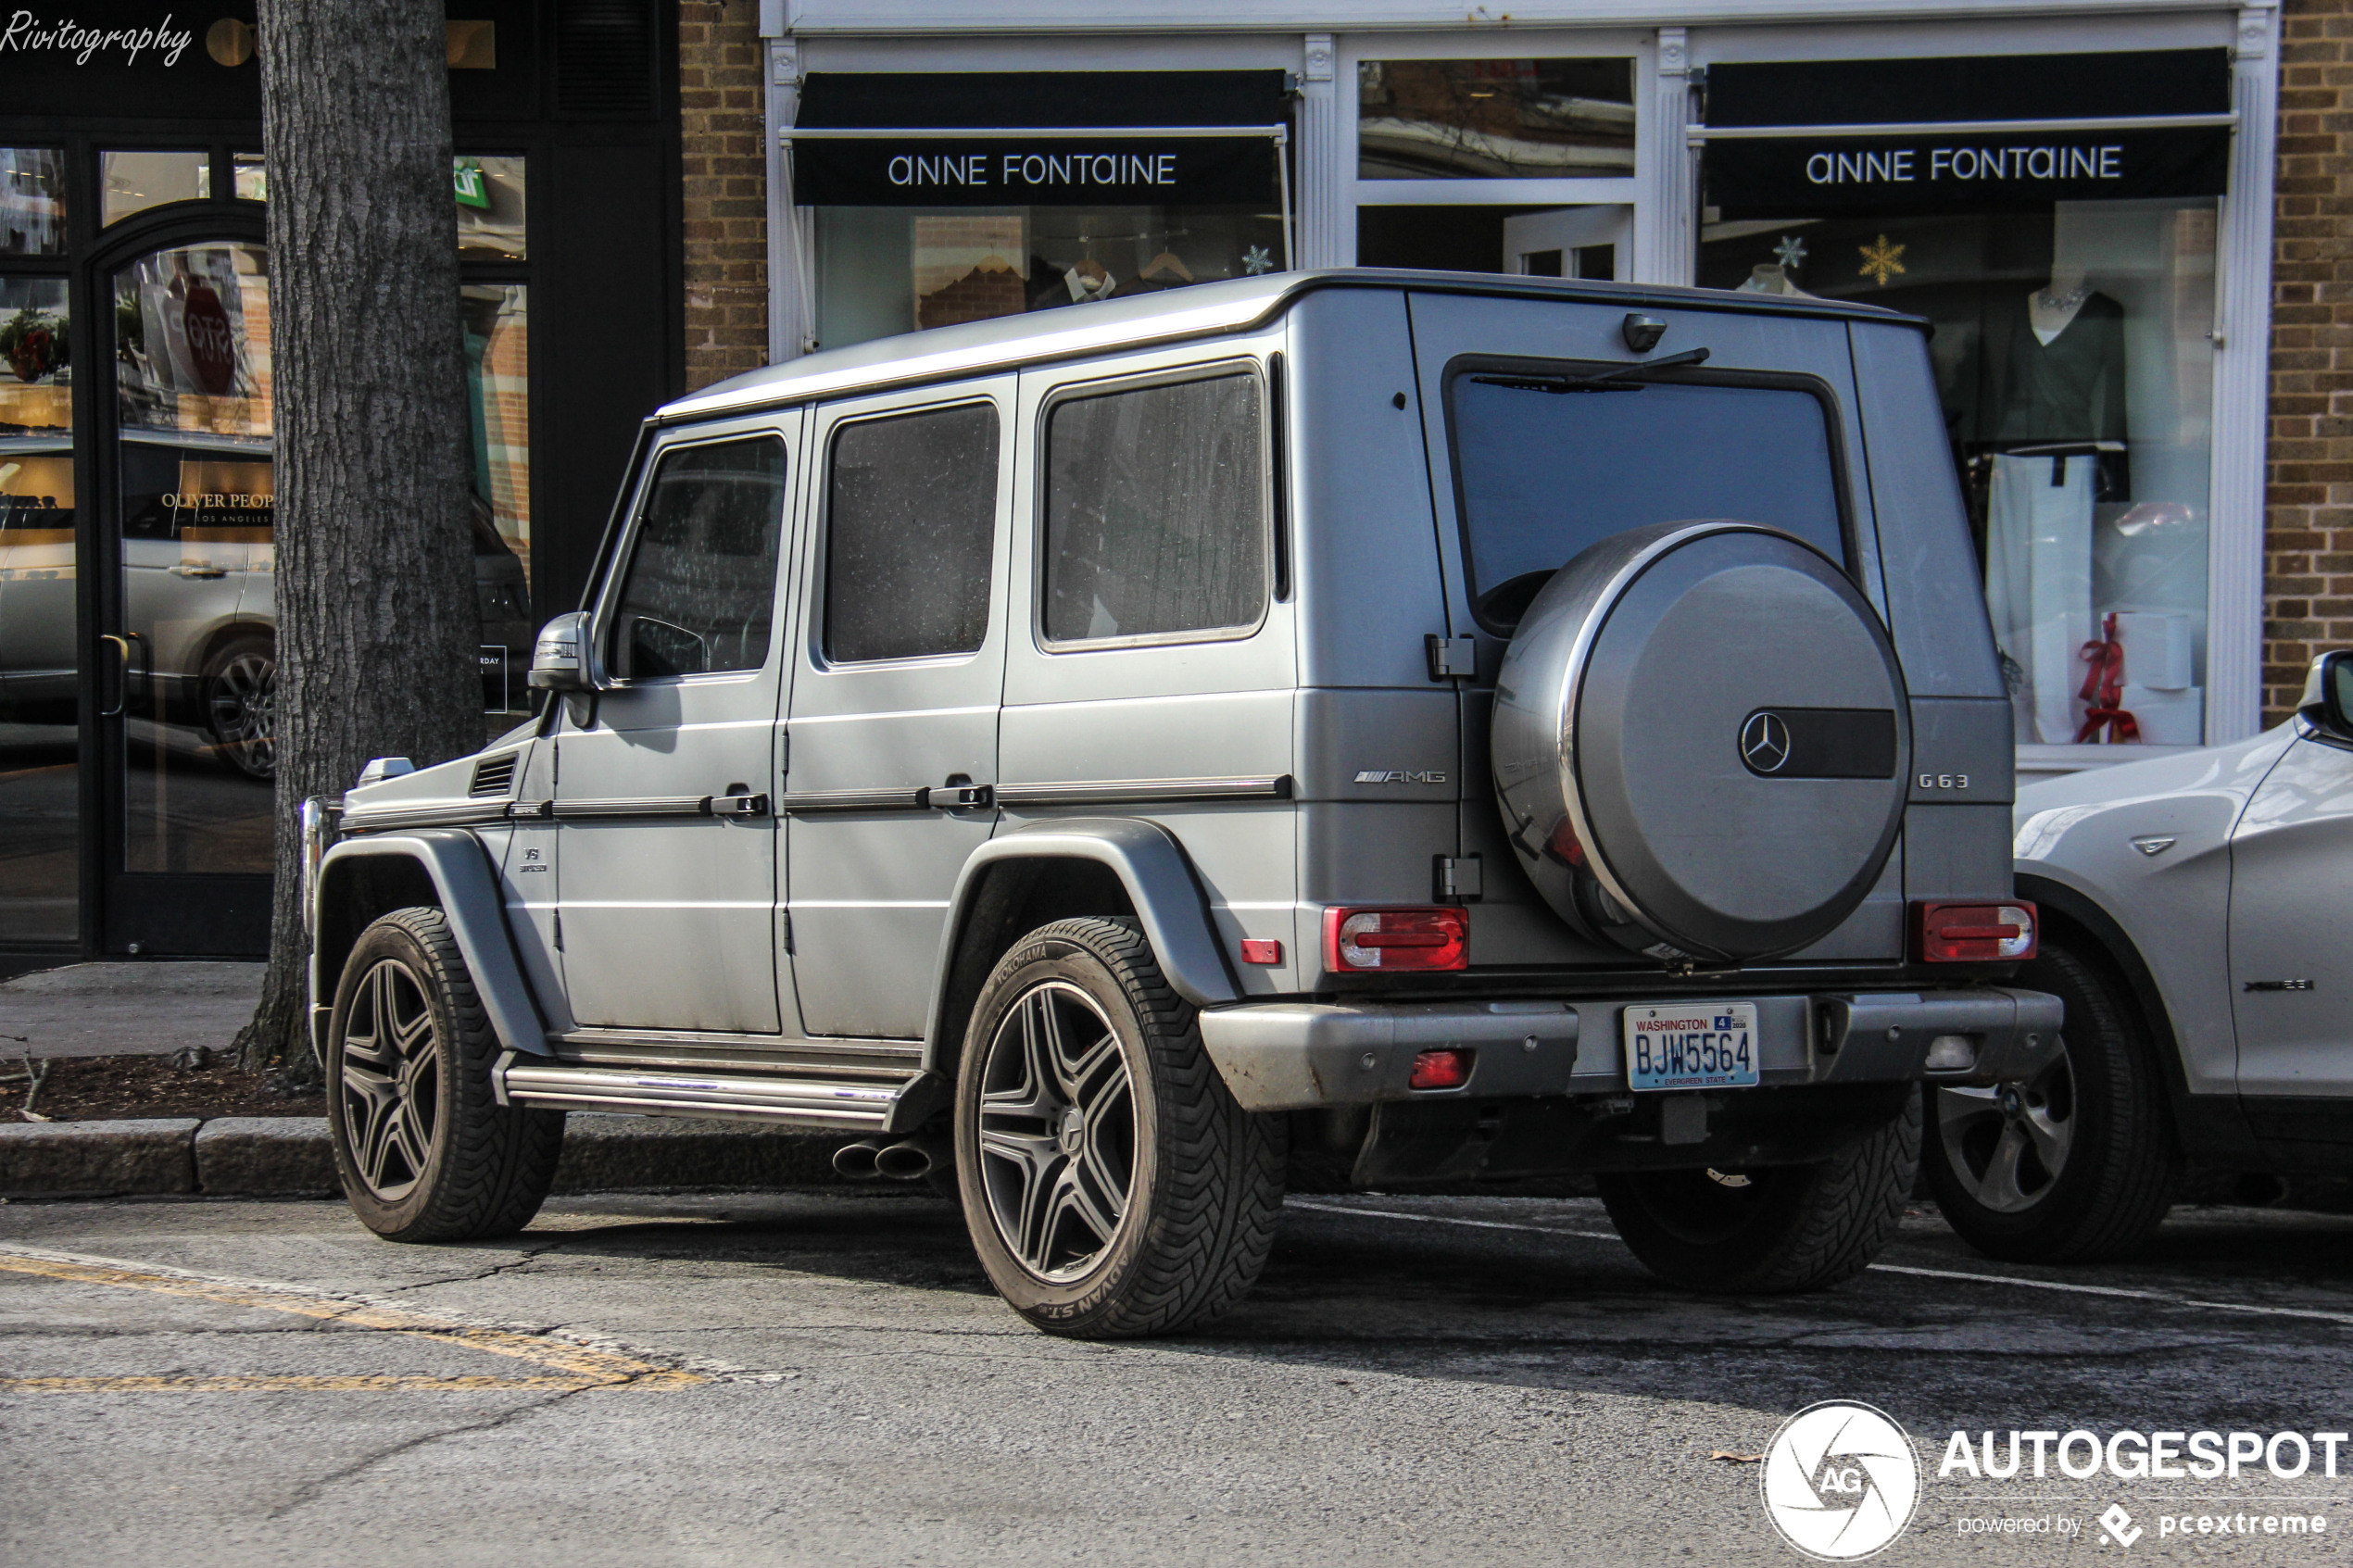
[[580, 1365]]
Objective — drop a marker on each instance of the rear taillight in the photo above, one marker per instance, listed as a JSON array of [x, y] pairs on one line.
[[1974, 933], [1391, 940]]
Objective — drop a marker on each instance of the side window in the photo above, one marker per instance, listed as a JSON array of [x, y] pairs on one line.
[[911, 526], [701, 583], [1156, 512]]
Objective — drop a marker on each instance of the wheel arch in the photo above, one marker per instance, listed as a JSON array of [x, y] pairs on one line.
[[2207, 1124], [1044, 871], [362, 879]]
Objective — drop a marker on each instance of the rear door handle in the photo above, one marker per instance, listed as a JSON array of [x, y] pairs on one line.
[[960, 797]]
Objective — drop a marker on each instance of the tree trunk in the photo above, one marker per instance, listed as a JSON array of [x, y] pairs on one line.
[[375, 598]]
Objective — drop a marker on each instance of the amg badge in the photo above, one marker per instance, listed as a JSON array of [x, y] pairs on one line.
[[1374, 775]]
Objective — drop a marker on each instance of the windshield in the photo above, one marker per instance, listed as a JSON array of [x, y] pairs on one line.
[[1545, 473]]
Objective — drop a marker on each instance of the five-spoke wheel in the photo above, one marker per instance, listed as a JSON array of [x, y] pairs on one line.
[[390, 1083], [424, 1149], [1111, 1184], [240, 693], [2073, 1156], [2006, 1145], [1057, 1130]]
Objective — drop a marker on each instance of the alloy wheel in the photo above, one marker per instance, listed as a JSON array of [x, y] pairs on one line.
[[2007, 1145], [390, 1080], [241, 705], [1057, 1131]]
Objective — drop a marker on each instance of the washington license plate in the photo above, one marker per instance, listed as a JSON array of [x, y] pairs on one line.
[[1692, 1045]]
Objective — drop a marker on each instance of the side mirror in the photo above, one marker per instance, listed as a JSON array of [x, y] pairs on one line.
[[2328, 695], [559, 658]]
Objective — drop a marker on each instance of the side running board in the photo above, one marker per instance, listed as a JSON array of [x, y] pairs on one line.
[[858, 1106]]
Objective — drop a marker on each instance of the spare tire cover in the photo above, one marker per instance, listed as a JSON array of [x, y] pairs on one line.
[[1701, 739]]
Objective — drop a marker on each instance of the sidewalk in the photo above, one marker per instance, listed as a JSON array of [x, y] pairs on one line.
[[127, 1008]]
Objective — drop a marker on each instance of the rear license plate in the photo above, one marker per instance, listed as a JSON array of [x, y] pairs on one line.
[[1692, 1045]]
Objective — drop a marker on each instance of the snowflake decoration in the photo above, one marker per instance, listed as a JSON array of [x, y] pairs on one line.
[[1257, 260], [1790, 252], [1880, 260]]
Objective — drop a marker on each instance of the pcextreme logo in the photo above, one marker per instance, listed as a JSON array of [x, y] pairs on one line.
[[1841, 1481]]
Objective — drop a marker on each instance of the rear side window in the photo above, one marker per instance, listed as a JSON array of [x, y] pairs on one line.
[[701, 584], [1156, 512], [910, 524], [1545, 472]]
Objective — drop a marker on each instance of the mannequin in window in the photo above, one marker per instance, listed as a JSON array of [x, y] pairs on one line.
[[2065, 389]]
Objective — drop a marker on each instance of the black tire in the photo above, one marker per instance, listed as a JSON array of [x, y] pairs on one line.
[[2118, 1167], [1203, 1178], [237, 702], [432, 1156], [1772, 1229]]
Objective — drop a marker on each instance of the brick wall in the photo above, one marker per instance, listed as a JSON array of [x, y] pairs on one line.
[[2308, 544], [726, 184]]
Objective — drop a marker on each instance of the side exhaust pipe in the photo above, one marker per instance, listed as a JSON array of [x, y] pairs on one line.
[[857, 1160], [911, 1159]]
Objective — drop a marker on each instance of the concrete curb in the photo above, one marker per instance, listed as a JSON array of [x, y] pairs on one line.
[[257, 1155]]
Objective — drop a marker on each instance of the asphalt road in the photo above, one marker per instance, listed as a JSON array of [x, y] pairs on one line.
[[823, 1377]]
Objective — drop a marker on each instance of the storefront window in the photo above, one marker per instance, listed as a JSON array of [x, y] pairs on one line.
[[33, 201], [498, 342], [135, 182], [2073, 350], [1116, 183], [891, 270], [40, 746], [1519, 119], [489, 193]]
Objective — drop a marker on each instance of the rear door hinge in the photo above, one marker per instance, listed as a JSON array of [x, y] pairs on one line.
[[1460, 877], [1452, 659], [784, 930]]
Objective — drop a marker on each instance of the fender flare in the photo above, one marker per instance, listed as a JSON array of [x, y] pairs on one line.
[[462, 877], [1151, 865], [2209, 1125]]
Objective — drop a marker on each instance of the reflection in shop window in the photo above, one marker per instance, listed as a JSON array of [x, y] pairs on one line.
[[40, 741], [135, 182], [33, 201], [1523, 119], [489, 193], [883, 270], [497, 345], [2074, 357]]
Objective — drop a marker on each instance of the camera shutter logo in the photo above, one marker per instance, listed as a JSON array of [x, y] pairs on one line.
[[1841, 1481], [1765, 743]]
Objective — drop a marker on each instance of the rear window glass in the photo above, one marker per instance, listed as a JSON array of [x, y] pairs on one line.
[[1545, 473], [911, 526], [1156, 512]]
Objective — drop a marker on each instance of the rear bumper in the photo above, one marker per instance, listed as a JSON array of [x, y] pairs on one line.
[[1306, 1056]]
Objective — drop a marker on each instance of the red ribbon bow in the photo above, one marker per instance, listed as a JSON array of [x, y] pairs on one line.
[[2103, 691]]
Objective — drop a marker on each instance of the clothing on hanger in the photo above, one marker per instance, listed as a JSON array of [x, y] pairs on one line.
[[2038, 585], [2071, 388]]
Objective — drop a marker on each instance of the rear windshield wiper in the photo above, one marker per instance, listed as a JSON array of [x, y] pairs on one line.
[[1601, 383]]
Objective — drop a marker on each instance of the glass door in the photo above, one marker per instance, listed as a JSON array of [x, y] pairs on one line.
[[40, 734], [188, 678]]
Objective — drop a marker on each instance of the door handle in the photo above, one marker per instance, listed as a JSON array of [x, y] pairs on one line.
[[122, 691], [960, 797]]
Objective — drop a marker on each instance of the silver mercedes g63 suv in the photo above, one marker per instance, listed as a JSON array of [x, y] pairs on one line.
[[1399, 727]]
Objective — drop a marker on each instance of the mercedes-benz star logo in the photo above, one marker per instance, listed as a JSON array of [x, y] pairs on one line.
[[1764, 742]]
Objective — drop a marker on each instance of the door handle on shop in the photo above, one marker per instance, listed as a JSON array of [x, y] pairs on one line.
[[122, 692]]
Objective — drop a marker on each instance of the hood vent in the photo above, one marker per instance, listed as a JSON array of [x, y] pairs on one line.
[[494, 775]]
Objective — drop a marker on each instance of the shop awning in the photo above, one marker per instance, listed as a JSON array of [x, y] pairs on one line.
[[1206, 138], [1980, 133]]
